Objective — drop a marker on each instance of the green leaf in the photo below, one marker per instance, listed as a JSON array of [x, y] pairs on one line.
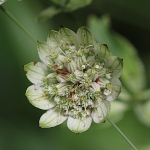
[[48, 13], [142, 112], [145, 146], [125, 96], [118, 110], [128, 8], [62, 5], [133, 76], [75, 4], [59, 2]]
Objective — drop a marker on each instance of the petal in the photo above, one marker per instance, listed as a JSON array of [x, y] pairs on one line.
[[116, 65], [36, 71], [101, 113], [79, 125], [103, 52], [72, 5], [38, 98], [51, 118], [48, 13], [68, 37], [85, 36], [116, 89]]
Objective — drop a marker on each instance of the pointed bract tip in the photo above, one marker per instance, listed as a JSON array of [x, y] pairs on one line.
[[61, 26], [85, 27], [105, 45]]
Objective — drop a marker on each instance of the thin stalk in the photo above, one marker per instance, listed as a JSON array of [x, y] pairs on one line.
[[122, 134], [16, 22]]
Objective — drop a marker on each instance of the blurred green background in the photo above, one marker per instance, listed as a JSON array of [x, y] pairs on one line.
[[112, 22]]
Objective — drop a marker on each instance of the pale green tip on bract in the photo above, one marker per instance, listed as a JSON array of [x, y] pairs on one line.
[[76, 79], [2, 1]]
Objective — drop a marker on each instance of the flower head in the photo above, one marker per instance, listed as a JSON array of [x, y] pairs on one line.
[[76, 79]]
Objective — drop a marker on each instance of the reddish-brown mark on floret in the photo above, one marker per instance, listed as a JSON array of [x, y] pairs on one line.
[[63, 72], [105, 45], [55, 66], [72, 95], [97, 80], [34, 63]]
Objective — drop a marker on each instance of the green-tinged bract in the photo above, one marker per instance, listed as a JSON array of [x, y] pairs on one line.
[[76, 80], [2, 1]]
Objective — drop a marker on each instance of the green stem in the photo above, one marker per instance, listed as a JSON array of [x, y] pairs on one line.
[[16, 22], [122, 134]]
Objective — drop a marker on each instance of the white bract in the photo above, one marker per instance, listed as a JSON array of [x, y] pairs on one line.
[[76, 79], [2, 1]]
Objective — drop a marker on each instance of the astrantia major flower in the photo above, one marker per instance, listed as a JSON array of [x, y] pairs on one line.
[[76, 79]]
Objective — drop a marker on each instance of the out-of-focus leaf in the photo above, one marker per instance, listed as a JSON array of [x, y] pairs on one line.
[[75, 4], [145, 147], [48, 13], [63, 6], [124, 95], [142, 112], [133, 76], [126, 11], [59, 2], [128, 8], [118, 110]]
